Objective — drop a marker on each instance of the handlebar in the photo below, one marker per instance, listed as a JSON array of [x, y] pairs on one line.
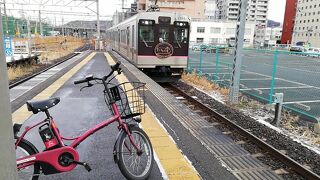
[[80, 81], [114, 68]]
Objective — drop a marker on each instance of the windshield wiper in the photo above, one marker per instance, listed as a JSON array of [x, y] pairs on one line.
[[145, 43]]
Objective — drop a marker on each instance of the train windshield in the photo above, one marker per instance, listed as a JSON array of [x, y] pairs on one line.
[[146, 34], [181, 32], [180, 35], [164, 34]]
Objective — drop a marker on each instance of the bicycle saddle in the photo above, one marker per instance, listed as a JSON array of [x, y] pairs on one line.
[[42, 105]]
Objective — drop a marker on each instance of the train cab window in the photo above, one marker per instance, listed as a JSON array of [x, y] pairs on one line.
[[146, 31], [164, 34], [146, 34], [181, 31]]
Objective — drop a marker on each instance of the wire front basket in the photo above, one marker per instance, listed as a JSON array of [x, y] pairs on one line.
[[129, 98]]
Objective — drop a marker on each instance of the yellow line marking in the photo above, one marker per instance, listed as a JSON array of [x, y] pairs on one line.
[[173, 161], [21, 114]]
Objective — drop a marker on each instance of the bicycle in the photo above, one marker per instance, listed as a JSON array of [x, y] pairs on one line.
[[132, 152]]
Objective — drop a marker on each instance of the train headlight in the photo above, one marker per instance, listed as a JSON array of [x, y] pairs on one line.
[[146, 22]]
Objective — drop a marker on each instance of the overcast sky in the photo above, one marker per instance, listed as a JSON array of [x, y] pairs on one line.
[[107, 8], [276, 10]]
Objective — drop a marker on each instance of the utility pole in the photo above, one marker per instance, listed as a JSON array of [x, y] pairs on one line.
[[29, 37], [98, 27], [8, 158], [62, 27], [6, 17], [237, 61], [40, 24]]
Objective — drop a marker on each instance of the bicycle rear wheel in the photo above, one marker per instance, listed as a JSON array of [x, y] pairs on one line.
[[131, 164], [31, 172]]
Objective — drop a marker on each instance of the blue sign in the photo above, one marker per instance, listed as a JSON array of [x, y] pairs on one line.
[[8, 46]]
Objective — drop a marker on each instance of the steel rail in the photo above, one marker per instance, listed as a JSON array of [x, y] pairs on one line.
[[294, 165], [46, 69]]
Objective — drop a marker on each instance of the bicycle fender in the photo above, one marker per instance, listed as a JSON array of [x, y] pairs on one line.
[[29, 144], [116, 146]]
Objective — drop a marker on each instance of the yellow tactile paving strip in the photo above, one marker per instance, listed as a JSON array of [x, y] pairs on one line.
[[176, 166], [21, 114]]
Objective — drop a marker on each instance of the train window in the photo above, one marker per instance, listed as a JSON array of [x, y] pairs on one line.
[[180, 35], [146, 34], [164, 34]]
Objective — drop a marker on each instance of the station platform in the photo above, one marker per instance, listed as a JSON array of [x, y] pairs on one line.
[[185, 145]]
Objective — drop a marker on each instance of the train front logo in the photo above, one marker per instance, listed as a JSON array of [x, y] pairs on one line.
[[163, 50]]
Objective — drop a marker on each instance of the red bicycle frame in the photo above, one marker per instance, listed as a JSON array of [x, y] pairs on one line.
[[51, 156]]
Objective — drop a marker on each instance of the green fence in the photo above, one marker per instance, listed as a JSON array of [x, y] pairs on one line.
[[264, 73]]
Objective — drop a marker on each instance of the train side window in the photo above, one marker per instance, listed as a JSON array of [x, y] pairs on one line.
[[146, 34]]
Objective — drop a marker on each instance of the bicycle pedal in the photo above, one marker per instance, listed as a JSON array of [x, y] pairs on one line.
[[88, 168]]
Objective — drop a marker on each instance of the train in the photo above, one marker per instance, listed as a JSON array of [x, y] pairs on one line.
[[155, 42]]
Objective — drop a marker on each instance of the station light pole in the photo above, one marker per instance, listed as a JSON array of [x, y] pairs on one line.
[[7, 156], [98, 26], [235, 80]]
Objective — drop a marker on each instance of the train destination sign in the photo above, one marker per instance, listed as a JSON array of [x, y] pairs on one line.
[[163, 50]]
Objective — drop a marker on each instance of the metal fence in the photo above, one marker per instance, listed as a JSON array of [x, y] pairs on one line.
[[264, 73]]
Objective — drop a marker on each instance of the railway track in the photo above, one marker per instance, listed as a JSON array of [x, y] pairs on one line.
[[81, 49], [206, 111]]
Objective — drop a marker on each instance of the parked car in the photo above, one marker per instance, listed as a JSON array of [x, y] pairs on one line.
[[196, 47], [313, 52], [296, 49]]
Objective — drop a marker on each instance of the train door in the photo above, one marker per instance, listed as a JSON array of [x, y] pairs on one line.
[[133, 43], [163, 30], [128, 42], [119, 42]]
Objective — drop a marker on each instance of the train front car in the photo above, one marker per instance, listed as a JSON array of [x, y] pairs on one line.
[[163, 42]]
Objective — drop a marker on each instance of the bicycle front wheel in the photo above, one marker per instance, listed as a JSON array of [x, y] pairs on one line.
[[132, 164]]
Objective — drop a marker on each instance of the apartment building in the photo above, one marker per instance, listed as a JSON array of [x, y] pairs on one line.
[[219, 32], [192, 8], [307, 23], [268, 36], [257, 10]]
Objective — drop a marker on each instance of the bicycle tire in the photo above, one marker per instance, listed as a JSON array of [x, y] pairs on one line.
[[147, 150], [26, 146]]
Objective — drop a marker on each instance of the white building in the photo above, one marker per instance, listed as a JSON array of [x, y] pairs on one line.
[[257, 10], [219, 32], [211, 9], [307, 23], [268, 36]]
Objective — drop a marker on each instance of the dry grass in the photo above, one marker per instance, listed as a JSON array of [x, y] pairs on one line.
[[54, 47], [51, 48], [20, 71], [203, 83]]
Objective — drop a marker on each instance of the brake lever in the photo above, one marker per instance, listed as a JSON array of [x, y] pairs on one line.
[[89, 85]]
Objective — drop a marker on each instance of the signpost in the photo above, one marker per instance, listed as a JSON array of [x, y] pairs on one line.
[[8, 46]]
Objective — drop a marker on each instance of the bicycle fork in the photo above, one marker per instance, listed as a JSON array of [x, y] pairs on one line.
[[124, 130]]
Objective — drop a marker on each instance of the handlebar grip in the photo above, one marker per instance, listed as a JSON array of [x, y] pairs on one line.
[[116, 66], [80, 81]]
